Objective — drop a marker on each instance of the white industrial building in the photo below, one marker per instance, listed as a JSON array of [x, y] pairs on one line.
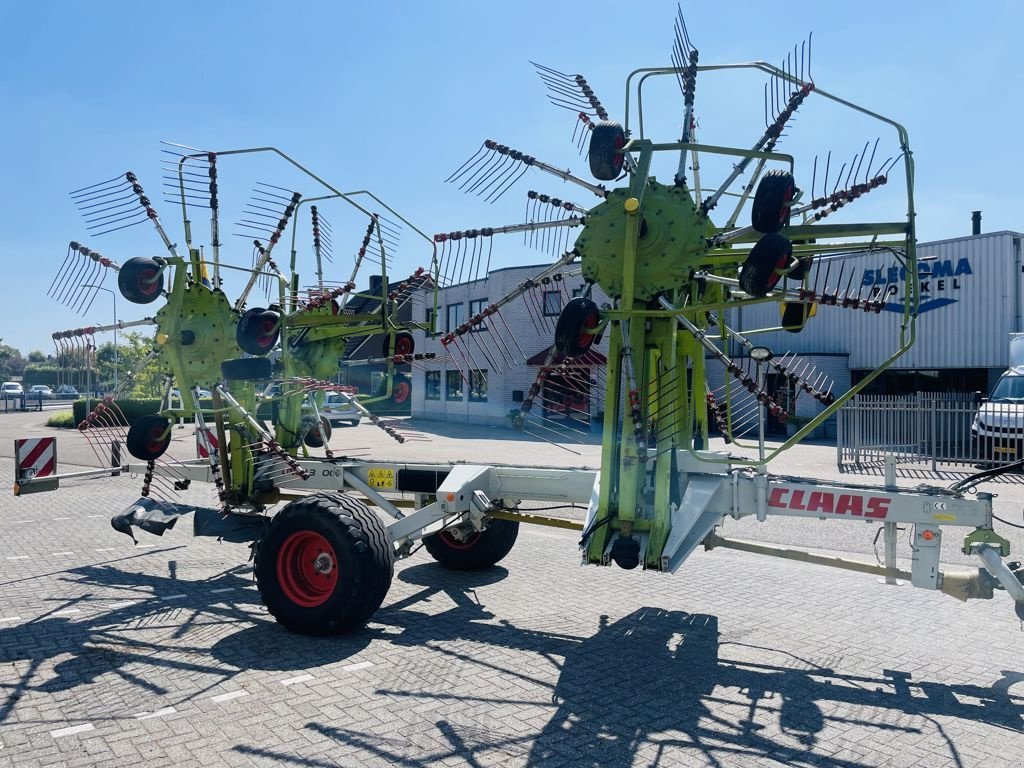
[[970, 301]]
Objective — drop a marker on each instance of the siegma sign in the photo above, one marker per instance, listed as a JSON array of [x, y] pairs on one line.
[[935, 276]]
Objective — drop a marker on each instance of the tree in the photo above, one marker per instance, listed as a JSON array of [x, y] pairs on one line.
[[35, 356], [11, 362]]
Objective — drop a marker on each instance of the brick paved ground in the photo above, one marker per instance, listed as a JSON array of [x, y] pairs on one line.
[[112, 654]]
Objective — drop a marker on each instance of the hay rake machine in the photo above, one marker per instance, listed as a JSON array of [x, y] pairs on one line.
[[664, 288]]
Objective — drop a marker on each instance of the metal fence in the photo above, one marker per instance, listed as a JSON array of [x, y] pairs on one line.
[[929, 428]]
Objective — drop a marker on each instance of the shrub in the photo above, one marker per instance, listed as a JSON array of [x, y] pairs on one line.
[[61, 420], [132, 409]]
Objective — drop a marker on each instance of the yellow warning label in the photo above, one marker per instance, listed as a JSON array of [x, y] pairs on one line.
[[382, 479], [945, 518]]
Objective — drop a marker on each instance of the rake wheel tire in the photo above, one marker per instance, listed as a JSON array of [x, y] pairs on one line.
[[355, 557], [401, 390], [318, 436], [481, 550], [802, 268], [247, 369], [140, 280], [258, 331], [770, 210], [605, 152], [149, 437], [405, 344], [578, 316], [764, 264]]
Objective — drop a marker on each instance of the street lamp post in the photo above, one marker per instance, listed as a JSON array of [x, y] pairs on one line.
[[114, 295]]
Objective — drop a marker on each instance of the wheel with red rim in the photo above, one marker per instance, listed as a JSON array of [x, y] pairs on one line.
[[405, 345], [324, 564], [772, 201], [401, 390], [475, 551], [258, 331], [307, 569], [318, 435], [140, 280], [766, 263], [574, 329], [605, 152], [149, 437]]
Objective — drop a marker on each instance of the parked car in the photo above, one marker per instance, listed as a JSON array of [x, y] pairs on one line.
[[11, 390], [66, 391], [998, 427], [40, 391], [204, 394], [338, 408]]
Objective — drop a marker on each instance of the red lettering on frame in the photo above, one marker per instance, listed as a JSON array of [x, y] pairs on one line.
[[821, 501], [778, 498], [797, 501], [878, 506], [853, 505]]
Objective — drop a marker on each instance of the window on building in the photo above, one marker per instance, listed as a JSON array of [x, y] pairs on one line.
[[552, 303], [453, 385], [478, 386], [476, 306], [432, 385], [455, 316]]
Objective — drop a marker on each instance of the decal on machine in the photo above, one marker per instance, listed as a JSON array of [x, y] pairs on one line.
[[829, 502]]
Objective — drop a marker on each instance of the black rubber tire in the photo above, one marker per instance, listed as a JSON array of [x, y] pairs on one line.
[[365, 563], [258, 331], [315, 437], [795, 315], [605, 153], [481, 550], [403, 341], [770, 210], [140, 280], [401, 390], [247, 369], [762, 269], [579, 314], [149, 437]]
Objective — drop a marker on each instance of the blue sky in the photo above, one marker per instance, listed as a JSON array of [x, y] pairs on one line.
[[393, 96]]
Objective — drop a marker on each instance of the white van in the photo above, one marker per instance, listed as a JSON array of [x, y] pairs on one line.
[[998, 428]]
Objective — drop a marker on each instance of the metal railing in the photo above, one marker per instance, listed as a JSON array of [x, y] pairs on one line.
[[929, 428]]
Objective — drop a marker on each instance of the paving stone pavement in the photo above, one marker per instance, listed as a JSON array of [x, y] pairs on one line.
[[112, 654]]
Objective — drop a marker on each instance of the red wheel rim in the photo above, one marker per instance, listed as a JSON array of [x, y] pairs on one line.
[[401, 392], [454, 543], [266, 335], [403, 345], [156, 442], [586, 339], [147, 282], [620, 142], [307, 569]]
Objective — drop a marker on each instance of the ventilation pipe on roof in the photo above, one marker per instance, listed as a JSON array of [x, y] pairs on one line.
[[975, 222]]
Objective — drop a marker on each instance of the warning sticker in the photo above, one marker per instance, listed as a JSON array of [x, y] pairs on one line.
[[382, 479]]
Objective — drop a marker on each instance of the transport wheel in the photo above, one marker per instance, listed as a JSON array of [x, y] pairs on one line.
[[404, 344], [149, 437], [401, 390], [577, 317], [317, 436], [803, 266], [140, 280], [247, 369], [480, 549], [605, 153], [258, 331], [770, 210], [324, 564], [765, 264]]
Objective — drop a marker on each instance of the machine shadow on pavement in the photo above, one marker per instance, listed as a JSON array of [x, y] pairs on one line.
[[655, 681]]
